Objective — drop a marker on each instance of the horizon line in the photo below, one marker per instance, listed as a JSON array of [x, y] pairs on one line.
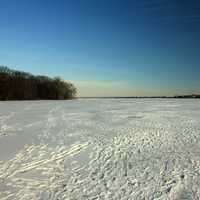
[[117, 97]]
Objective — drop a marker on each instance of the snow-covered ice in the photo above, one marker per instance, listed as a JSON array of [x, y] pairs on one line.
[[140, 149]]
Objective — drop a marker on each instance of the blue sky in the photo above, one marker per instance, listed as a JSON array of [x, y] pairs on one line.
[[106, 47]]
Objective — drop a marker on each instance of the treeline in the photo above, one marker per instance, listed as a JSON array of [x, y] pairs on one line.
[[192, 96], [195, 96], [18, 85]]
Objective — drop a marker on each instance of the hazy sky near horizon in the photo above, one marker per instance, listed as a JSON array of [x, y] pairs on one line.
[[106, 47]]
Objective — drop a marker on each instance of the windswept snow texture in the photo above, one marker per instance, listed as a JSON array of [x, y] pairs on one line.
[[141, 149]]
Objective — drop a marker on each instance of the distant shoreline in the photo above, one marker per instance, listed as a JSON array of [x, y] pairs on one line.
[[134, 97], [147, 97]]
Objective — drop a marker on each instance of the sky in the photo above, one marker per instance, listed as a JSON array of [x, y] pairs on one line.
[[106, 47]]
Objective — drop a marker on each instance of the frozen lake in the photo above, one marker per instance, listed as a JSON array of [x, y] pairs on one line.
[[140, 149]]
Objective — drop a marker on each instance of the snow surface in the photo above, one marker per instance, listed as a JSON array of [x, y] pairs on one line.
[[141, 149]]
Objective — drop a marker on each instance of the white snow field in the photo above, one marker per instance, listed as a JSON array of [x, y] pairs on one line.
[[90, 149]]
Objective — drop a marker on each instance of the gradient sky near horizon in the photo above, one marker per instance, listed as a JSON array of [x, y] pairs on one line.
[[106, 47]]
